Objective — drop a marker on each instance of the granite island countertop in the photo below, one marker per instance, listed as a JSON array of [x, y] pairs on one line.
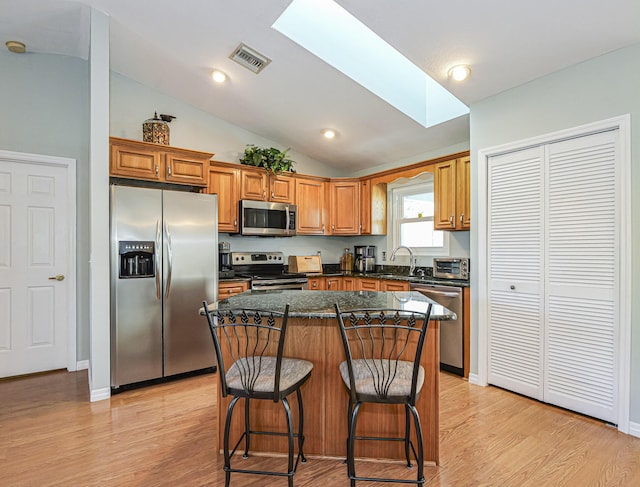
[[320, 304]]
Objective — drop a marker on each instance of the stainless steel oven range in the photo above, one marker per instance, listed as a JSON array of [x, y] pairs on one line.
[[266, 270]]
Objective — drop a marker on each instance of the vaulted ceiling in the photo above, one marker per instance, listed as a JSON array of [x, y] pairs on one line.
[[173, 46]]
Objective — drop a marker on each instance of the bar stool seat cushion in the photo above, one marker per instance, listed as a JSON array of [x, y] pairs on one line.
[[365, 371], [291, 372]]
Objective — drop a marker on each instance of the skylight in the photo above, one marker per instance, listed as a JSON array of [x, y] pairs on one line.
[[331, 33]]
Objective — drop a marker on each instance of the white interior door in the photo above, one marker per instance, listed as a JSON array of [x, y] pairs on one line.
[[515, 270], [554, 273], [582, 288], [34, 266]]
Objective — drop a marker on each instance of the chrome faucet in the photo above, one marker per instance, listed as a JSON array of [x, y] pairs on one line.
[[412, 264]]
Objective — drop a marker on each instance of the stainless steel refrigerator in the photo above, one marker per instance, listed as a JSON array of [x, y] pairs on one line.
[[164, 263]]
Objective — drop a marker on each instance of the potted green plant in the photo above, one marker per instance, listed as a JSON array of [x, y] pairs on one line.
[[272, 159]]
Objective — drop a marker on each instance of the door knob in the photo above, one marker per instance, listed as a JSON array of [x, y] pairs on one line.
[[59, 277]]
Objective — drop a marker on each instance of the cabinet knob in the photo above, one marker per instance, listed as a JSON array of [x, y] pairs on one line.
[[461, 217], [169, 169], [512, 287], [452, 220], [273, 195], [157, 169]]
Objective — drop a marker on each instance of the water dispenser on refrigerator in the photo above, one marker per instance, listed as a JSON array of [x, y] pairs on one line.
[[137, 259]]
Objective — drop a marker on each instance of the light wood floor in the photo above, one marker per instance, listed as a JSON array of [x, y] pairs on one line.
[[50, 435]]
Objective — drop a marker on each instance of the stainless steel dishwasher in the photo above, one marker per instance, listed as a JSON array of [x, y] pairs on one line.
[[451, 331]]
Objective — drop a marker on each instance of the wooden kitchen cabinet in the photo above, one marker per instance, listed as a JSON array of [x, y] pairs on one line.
[[282, 188], [367, 284], [349, 284], [224, 181], [344, 207], [310, 201], [463, 192], [317, 284], [226, 289], [253, 184], [373, 208], [133, 159], [452, 195], [258, 184], [333, 283], [390, 285]]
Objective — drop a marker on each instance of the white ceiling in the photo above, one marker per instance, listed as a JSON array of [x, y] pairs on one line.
[[172, 46]]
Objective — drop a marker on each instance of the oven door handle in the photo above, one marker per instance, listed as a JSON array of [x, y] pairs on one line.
[[446, 295]]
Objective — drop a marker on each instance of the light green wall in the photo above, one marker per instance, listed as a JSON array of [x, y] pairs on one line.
[[597, 89], [44, 109], [132, 103]]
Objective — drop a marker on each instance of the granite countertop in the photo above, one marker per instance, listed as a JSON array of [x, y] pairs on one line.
[[319, 304]]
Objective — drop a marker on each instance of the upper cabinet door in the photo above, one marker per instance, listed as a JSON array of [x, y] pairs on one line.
[[282, 188], [345, 207], [463, 193], [253, 185], [310, 199], [131, 160], [365, 207], [445, 195], [224, 182], [186, 169]]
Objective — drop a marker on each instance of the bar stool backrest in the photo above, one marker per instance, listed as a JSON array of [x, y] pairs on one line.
[[386, 345], [253, 340]]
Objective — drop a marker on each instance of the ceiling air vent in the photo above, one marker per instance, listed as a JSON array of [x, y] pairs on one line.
[[250, 59]]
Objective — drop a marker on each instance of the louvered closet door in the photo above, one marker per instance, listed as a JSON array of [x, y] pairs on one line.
[[515, 246], [581, 282]]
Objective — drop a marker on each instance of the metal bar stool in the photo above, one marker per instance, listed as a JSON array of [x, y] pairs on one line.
[[383, 348], [254, 340]]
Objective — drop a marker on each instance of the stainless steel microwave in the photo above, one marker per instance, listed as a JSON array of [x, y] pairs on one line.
[[451, 268], [266, 219]]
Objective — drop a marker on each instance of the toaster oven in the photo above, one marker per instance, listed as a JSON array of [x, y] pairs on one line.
[[451, 268]]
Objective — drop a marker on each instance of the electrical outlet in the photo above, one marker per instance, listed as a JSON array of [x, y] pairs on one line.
[[384, 256]]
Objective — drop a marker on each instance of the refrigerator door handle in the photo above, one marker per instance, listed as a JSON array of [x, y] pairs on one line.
[[169, 259], [155, 263]]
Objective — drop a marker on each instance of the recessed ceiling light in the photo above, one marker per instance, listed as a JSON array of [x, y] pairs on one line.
[[329, 133], [16, 46], [460, 72], [218, 76]]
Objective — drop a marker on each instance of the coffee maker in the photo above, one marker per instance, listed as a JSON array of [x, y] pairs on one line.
[[365, 258], [224, 260]]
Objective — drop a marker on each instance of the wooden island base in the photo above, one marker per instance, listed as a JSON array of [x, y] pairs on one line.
[[326, 401]]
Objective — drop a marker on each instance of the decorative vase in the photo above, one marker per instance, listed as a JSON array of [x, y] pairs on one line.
[[155, 130]]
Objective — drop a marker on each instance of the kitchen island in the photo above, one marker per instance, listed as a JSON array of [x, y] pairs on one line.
[[313, 335]]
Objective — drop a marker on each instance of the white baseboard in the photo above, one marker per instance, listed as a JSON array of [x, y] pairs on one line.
[[473, 379], [99, 394], [82, 365], [634, 429]]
